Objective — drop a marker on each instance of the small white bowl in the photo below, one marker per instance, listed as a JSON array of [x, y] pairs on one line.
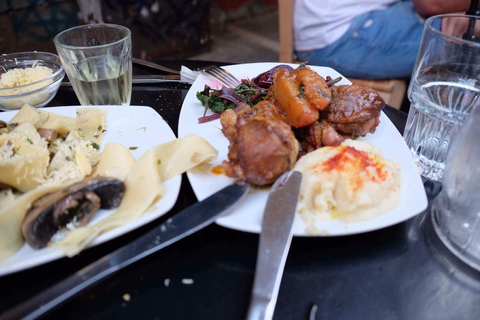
[[40, 92]]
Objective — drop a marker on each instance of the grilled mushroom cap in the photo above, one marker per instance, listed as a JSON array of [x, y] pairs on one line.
[[77, 202]]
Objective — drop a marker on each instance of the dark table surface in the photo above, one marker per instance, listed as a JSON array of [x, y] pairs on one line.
[[400, 272]]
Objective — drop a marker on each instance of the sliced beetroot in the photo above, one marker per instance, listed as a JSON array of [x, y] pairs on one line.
[[230, 95], [209, 118], [265, 80]]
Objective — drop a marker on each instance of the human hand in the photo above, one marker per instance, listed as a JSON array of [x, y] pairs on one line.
[[458, 27]]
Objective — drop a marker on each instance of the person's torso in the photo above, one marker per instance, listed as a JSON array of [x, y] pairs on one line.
[[319, 23]]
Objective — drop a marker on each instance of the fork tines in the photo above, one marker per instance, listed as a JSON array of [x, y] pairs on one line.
[[222, 75]]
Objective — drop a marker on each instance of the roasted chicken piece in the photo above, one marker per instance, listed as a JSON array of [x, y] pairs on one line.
[[300, 94], [318, 134], [261, 147], [228, 119], [355, 110], [265, 109], [262, 143]]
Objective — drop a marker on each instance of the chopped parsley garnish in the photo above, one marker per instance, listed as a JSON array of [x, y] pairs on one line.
[[29, 141], [95, 145], [133, 148], [159, 161]]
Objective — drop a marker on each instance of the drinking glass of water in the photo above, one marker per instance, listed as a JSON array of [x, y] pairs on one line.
[[98, 61], [444, 88], [456, 210]]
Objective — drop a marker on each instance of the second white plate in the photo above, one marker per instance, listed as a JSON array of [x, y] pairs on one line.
[[248, 215], [135, 127]]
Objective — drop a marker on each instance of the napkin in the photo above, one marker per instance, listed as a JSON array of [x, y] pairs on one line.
[[188, 75]]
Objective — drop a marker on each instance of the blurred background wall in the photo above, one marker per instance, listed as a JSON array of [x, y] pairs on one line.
[[161, 29], [27, 25]]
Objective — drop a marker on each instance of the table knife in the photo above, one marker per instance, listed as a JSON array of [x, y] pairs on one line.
[[144, 79], [184, 223], [275, 239], [153, 65]]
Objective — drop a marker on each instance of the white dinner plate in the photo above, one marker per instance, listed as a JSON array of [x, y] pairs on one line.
[[140, 127], [248, 215]]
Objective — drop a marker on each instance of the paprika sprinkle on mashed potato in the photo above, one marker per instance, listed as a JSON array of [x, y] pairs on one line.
[[351, 182], [349, 158]]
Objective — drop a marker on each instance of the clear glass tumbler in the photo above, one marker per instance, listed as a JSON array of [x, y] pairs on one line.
[[98, 61], [443, 90], [456, 210]]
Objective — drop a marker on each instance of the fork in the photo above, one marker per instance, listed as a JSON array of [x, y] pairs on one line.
[[222, 75]]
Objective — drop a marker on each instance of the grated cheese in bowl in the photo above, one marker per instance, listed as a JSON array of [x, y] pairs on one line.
[[31, 78], [17, 79]]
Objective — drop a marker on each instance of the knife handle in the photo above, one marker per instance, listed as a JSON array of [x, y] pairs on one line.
[[271, 258], [91, 274], [258, 309], [67, 288], [183, 224]]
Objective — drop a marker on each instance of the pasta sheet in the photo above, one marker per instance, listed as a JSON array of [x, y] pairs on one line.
[[116, 162], [25, 163], [11, 218], [143, 186], [23, 158]]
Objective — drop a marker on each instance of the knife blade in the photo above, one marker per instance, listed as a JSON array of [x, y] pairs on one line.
[[183, 224], [275, 239]]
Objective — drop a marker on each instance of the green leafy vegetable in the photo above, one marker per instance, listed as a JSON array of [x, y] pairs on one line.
[[220, 100]]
